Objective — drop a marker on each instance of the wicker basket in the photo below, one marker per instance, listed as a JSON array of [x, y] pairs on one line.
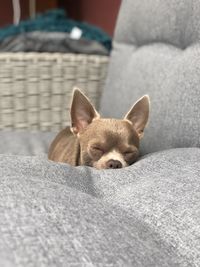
[[36, 88]]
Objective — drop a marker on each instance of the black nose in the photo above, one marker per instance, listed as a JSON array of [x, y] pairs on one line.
[[113, 164]]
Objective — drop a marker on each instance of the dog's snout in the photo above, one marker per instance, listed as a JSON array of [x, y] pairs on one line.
[[113, 164]]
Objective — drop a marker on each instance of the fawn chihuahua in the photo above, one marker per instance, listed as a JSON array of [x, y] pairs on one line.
[[98, 142]]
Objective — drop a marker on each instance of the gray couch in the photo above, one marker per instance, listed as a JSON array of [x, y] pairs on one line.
[[147, 214]]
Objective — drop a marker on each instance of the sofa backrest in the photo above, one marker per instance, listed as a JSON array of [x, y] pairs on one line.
[[157, 52]]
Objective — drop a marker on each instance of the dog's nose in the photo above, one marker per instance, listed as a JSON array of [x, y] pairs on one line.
[[113, 164]]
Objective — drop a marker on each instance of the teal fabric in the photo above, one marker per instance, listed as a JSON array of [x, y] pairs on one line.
[[57, 21]]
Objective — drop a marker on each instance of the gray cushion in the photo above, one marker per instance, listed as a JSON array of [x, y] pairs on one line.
[[157, 52], [144, 215], [25, 142]]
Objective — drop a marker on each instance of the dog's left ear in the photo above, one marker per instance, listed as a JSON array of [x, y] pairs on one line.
[[138, 115]]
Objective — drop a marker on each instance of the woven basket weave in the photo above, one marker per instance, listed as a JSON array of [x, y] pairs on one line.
[[36, 88]]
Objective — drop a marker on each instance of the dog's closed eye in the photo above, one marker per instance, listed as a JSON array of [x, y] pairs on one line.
[[127, 153], [130, 153], [97, 148], [96, 151]]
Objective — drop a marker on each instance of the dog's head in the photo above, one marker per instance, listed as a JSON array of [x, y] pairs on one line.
[[108, 143]]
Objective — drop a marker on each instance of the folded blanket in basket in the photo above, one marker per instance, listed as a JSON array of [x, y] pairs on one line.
[[57, 21], [50, 42]]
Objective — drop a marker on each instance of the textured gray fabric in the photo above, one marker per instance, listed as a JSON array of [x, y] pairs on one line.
[[168, 21], [25, 142], [50, 42], [157, 43], [147, 214]]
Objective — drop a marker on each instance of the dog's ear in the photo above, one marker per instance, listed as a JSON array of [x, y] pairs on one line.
[[82, 111], [138, 115]]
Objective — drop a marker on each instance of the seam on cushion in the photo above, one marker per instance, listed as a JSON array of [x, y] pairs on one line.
[[137, 47], [184, 23]]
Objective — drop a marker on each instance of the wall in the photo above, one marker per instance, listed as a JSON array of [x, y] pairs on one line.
[[102, 13], [6, 11]]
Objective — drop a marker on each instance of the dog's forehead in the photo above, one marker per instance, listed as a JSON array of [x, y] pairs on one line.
[[114, 131]]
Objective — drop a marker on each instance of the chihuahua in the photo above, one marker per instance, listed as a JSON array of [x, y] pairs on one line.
[[102, 143]]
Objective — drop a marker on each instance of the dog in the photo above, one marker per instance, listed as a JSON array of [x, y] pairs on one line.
[[103, 143]]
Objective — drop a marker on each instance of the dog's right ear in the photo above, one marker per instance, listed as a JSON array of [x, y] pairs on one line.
[[82, 111]]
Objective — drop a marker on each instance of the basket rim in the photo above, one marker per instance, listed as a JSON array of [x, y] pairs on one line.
[[9, 56]]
